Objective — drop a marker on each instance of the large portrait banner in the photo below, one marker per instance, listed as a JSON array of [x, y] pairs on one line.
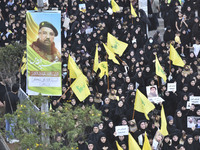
[[44, 53]]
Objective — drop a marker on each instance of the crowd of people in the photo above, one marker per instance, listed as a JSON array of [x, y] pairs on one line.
[[115, 95]]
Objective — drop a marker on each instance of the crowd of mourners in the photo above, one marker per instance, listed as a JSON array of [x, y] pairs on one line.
[[115, 96]]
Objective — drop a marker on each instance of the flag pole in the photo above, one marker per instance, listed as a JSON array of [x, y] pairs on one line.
[[170, 63], [64, 93], [158, 81], [119, 58], [133, 114], [108, 75]]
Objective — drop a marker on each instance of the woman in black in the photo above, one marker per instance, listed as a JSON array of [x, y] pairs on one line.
[[103, 143], [189, 143]]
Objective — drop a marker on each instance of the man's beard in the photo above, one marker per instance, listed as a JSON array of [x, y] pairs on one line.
[[45, 48]]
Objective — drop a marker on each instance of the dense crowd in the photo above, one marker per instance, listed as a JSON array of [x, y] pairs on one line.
[[115, 96]]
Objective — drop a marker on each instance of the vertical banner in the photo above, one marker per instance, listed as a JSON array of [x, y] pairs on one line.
[[44, 53]]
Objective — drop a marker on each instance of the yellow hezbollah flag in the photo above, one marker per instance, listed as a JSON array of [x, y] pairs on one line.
[[23, 68], [80, 88], [111, 55], [24, 57], [74, 70], [115, 7], [146, 145], [169, 1], [133, 11], [132, 144], [163, 129], [142, 104], [96, 60], [103, 66], [118, 147], [159, 70], [175, 58], [116, 45]]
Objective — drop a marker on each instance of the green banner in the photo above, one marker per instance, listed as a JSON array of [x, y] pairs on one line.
[[44, 53]]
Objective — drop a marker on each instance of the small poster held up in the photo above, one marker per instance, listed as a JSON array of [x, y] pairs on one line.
[[171, 87], [195, 100], [121, 130], [82, 8], [193, 122], [152, 91]]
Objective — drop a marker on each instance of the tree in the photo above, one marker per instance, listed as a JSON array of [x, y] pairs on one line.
[[69, 123], [10, 59]]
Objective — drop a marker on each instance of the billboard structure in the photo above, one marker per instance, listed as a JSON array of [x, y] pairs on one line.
[[44, 53]]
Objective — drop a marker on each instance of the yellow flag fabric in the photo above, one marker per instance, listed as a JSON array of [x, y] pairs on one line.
[[142, 104], [146, 145], [169, 1], [115, 6], [24, 57], [163, 129], [103, 66], [159, 70], [23, 68], [74, 70], [175, 58], [133, 11], [118, 147], [35, 8], [132, 144], [80, 88], [116, 45], [96, 60], [111, 55]]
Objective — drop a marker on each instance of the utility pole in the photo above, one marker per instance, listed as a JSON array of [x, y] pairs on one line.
[[45, 105]]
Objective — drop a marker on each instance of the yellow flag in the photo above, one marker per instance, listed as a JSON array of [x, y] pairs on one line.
[[142, 104], [175, 58], [50, 108], [133, 11], [111, 55], [132, 144], [159, 70], [169, 1], [80, 88], [118, 147], [115, 7], [74, 70], [163, 129], [96, 60], [146, 145], [103, 66], [116, 45], [23, 68], [24, 57], [35, 8]]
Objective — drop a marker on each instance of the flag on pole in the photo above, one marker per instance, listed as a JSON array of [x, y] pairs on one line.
[[142, 104], [80, 88], [163, 129], [74, 70], [118, 147], [115, 45], [103, 66], [146, 145], [175, 58], [132, 144], [96, 60], [23, 68], [159, 70], [111, 55], [24, 57], [115, 6], [133, 11]]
